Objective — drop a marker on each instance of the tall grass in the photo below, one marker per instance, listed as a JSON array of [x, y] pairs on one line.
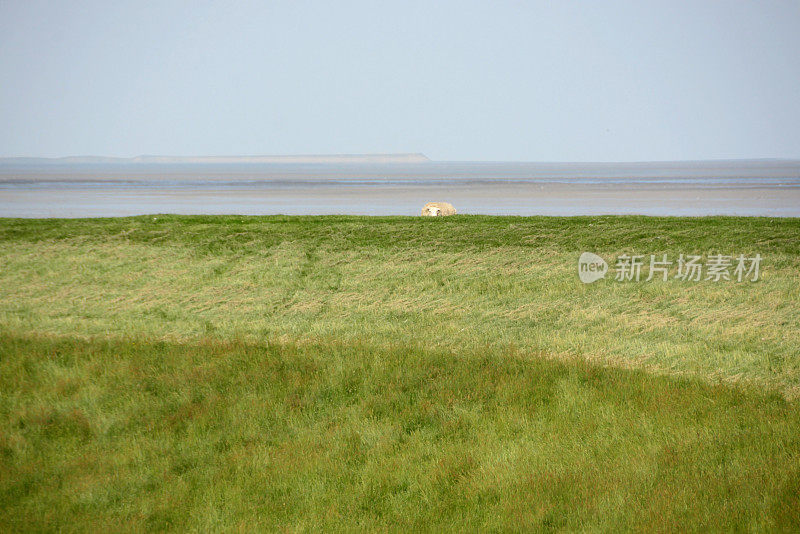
[[139, 435], [339, 373]]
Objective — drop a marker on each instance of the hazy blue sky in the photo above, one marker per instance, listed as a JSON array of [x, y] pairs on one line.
[[538, 81]]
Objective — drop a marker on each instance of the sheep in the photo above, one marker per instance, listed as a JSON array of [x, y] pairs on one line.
[[438, 209]]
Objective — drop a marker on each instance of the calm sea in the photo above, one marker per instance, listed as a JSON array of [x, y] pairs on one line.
[[757, 187]]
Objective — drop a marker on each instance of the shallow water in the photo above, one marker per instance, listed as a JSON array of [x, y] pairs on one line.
[[768, 188]]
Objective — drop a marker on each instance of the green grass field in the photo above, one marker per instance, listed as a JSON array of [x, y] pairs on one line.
[[297, 373]]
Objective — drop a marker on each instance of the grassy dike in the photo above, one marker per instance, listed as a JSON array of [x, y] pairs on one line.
[[201, 373]]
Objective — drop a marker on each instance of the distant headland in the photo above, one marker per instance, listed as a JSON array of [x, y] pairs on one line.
[[312, 158]]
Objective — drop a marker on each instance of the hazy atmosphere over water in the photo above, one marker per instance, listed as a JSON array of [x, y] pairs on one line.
[[533, 81], [703, 94]]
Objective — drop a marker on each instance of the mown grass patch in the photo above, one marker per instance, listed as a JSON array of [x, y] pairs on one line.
[[455, 283]]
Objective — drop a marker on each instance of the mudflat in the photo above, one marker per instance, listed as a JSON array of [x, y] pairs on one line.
[[753, 188]]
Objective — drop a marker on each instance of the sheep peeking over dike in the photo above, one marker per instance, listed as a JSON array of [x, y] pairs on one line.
[[438, 209]]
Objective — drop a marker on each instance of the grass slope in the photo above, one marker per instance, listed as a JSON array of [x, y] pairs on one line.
[[220, 435], [295, 372]]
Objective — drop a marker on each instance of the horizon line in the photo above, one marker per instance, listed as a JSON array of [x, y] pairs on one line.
[[387, 157]]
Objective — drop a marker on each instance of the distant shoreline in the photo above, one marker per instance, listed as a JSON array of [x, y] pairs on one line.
[[375, 168], [148, 159]]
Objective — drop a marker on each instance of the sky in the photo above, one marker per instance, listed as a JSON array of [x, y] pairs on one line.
[[516, 81]]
